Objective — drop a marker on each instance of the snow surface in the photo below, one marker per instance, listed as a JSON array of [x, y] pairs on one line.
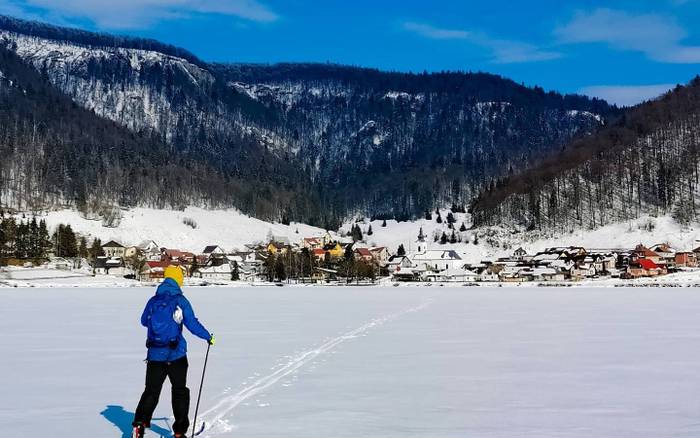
[[229, 229], [366, 362]]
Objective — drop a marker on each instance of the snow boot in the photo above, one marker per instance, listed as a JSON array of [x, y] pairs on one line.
[[180, 435]]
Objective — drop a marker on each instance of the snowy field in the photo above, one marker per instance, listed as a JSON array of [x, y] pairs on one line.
[[366, 362]]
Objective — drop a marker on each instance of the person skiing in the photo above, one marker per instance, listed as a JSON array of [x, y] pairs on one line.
[[164, 316]]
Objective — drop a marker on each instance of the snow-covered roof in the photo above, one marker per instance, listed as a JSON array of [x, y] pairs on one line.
[[210, 249], [112, 244], [457, 272], [436, 254], [222, 269]]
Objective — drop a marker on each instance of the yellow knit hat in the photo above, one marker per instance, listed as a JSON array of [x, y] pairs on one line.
[[174, 272]]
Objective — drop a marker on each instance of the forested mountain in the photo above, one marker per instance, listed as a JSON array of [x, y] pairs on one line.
[[55, 153], [647, 162], [311, 142]]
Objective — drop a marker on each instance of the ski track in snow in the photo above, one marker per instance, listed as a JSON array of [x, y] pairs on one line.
[[215, 417]]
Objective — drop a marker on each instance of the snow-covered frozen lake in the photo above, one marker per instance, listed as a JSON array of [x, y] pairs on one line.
[[366, 362]]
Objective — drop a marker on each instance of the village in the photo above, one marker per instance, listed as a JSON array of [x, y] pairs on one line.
[[334, 259]]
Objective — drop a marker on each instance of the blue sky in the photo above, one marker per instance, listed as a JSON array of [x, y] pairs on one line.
[[624, 51]]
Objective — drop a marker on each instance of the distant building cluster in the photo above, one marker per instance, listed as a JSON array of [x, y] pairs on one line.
[[315, 259], [555, 264], [330, 257]]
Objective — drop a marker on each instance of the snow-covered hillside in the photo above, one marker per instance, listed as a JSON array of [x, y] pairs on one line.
[[499, 241], [228, 228], [232, 230]]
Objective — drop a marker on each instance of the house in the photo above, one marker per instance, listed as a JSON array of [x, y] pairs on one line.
[[248, 264], [642, 252], [490, 273], [153, 270], [277, 247], [644, 268], [406, 274], [327, 239], [319, 254], [282, 240], [171, 255], [512, 274], [186, 258], [335, 250], [311, 242], [436, 260], [214, 251], [686, 259], [113, 249], [363, 254], [104, 265], [243, 257], [381, 255], [519, 254], [213, 254], [666, 253], [455, 274], [398, 261], [548, 274], [220, 272], [150, 250], [582, 270]]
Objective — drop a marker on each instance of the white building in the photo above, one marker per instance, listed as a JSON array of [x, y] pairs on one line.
[[113, 249], [436, 260], [222, 272], [150, 250]]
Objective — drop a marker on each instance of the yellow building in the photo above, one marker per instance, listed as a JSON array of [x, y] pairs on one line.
[[337, 251], [275, 248]]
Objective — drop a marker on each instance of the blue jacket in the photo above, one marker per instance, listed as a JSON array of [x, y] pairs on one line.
[[165, 354]]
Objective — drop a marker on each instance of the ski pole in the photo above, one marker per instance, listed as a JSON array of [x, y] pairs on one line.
[[196, 409]]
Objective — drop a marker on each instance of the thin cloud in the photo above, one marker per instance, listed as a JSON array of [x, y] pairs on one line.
[[129, 14], [626, 95], [436, 33], [503, 51], [660, 38]]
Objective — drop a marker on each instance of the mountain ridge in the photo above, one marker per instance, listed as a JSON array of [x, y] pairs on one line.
[[340, 140]]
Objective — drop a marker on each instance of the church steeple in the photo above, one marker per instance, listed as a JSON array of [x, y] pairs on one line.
[[421, 241]]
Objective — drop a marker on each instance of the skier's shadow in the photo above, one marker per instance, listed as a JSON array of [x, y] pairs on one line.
[[122, 420]]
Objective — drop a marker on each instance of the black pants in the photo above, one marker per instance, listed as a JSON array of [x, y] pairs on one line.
[[156, 372]]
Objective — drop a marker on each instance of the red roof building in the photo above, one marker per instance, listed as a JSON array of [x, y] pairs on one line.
[[648, 264]]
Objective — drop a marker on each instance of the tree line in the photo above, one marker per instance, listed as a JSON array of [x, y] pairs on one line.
[[31, 240]]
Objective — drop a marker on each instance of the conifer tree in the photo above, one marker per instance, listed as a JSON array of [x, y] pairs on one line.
[[83, 251], [443, 238], [401, 251], [235, 275]]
